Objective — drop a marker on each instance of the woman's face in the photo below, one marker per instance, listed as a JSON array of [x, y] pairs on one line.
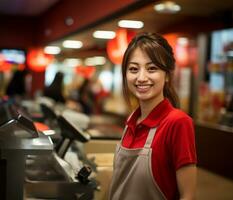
[[144, 79]]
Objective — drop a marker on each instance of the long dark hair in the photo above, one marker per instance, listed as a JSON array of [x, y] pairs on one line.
[[161, 54], [54, 90], [17, 86]]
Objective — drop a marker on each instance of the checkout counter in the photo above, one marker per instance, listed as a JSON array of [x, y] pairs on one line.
[[18, 138], [20, 142], [214, 144]]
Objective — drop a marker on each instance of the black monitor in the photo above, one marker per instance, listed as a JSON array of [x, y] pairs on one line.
[[69, 130], [10, 116]]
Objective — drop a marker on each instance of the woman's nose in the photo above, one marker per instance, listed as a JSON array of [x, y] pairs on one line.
[[142, 75]]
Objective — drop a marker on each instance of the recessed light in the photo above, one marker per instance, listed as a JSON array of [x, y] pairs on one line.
[[52, 50], [72, 62], [73, 44], [96, 60], [167, 7], [104, 34], [130, 24], [69, 21]]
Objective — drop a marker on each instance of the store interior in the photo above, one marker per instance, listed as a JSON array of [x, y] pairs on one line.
[[40, 40]]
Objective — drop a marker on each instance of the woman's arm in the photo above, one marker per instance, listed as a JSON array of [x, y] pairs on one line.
[[186, 181]]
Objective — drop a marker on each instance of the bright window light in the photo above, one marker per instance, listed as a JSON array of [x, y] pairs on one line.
[[50, 73], [13, 55], [104, 34], [130, 24], [230, 53], [72, 62], [106, 78], [52, 50], [74, 44]]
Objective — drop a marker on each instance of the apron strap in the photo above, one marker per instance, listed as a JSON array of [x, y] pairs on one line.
[[150, 137], [123, 134]]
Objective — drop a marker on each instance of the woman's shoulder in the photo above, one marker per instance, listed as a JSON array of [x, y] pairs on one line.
[[178, 123], [178, 115]]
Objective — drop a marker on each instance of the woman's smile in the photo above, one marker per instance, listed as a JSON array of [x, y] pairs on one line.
[[143, 88]]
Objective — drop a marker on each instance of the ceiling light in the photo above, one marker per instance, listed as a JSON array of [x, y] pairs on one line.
[[167, 7], [99, 60], [96, 60], [89, 62], [104, 34], [73, 44], [72, 62], [52, 50], [130, 24]]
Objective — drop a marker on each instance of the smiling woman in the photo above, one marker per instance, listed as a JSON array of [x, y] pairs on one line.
[[142, 55], [156, 158], [144, 79]]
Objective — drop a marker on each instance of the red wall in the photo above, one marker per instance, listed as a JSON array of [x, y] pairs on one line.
[[23, 32], [82, 11], [16, 32]]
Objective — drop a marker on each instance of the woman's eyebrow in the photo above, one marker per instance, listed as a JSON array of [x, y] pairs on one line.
[[135, 63], [149, 63]]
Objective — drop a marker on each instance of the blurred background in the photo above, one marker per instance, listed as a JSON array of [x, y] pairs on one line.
[[71, 51], [46, 37]]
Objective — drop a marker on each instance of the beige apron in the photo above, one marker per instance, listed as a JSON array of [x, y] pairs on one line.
[[132, 176]]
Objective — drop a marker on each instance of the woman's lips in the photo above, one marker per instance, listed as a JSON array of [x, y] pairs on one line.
[[143, 88]]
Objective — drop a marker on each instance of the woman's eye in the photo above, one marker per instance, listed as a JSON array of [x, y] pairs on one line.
[[152, 68], [133, 69]]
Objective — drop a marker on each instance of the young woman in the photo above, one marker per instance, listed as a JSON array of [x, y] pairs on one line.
[[156, 159]]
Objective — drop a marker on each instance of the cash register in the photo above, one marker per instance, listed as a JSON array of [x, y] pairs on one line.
[[19, 139]]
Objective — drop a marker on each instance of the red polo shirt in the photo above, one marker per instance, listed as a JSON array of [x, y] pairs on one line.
[[173, 145]]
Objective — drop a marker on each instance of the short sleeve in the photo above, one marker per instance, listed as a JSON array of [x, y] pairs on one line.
[[182, 143]]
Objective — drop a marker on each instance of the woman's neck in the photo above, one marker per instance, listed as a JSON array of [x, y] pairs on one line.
[[146, 107]]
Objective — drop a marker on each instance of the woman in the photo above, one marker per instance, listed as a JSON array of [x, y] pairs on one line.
[[17, 84], [86, 97], [156, 158], [55, 89]]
